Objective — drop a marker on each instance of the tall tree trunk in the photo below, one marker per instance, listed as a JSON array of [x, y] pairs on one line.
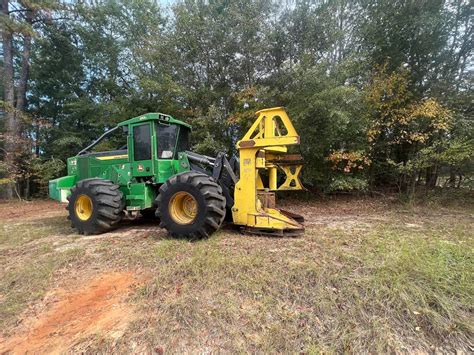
[[37, 134], [25, 64], [431, 177], [452, 177], [412, 188], [27, 187], [11, 126], [24, 74]]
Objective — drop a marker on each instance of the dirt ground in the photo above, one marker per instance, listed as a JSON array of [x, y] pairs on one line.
[[136, 290], [71, 314], [81, 305], [14, 211]]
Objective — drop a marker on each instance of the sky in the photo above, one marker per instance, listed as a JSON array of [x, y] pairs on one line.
[[167, 2]]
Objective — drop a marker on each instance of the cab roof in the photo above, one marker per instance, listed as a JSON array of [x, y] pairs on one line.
[[154, 116]]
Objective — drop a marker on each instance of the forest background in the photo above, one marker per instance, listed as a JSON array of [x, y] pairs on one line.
[[379, 90]]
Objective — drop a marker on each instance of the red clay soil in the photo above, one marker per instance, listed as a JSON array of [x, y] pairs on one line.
[[96, 307]]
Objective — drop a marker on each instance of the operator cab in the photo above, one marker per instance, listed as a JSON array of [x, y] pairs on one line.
[[153, 147], [151, 144]]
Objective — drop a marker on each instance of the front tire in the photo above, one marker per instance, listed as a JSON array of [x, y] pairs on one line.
[[95, 206], [191, 205]]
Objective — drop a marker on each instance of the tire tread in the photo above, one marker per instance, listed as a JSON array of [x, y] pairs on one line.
[[215, 203], [109, 201]]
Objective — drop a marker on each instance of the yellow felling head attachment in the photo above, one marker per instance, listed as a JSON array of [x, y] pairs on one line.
[[264, 148]]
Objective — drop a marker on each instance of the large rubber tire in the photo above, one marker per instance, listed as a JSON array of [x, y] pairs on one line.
[[105, 202], [210, 203]]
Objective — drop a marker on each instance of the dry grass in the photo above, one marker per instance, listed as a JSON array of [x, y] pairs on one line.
[[368, 275]]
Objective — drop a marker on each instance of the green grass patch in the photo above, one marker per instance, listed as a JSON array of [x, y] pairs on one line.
[[28, 260], [27, 280], [401, 280], [16, 233], [392, 286]]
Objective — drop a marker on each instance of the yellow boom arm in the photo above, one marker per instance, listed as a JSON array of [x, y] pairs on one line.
[[264, 149]]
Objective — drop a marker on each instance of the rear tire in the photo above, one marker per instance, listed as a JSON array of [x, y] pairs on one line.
[[95, 206], [191, 205]]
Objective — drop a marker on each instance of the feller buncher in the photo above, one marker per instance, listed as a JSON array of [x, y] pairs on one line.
[[155, 175]]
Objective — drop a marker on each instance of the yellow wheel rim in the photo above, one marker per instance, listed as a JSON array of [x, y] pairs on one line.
[[83, 207], [183, 208]]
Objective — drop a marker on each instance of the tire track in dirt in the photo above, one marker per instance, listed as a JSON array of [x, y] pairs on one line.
[[96, 307]]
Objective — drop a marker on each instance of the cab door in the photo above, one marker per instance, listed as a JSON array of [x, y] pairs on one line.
[[141, 154]]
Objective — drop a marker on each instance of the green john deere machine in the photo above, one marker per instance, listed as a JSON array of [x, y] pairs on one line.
[[152, 173]]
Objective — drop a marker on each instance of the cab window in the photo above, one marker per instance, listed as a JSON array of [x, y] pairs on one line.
[[142, 142], [166, 140], [183, 140]]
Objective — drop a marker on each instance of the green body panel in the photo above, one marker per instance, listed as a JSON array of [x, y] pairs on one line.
[[60, 188], [139, 196], [139, 180]]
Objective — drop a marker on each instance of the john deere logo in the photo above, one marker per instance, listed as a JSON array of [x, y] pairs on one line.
[[140, 167]]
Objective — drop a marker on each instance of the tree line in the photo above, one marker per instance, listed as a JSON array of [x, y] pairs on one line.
[[379, 90]]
